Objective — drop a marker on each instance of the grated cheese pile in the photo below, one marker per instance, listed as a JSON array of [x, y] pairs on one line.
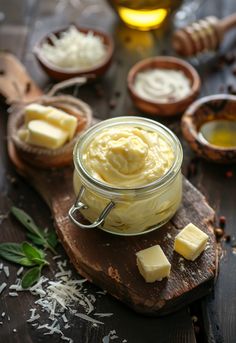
[[62, 299], [74, 49]]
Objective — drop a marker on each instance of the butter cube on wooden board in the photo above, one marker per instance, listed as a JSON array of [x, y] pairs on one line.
[[51, 115], [153, 264], [190, 242], [43, 134]]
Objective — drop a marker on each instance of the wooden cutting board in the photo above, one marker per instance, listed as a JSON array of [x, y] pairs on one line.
[[109, 261]]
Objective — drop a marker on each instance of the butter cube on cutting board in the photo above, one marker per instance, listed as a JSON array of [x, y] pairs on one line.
[[52, 115], [190, 242], [153, 264], [43, 134]]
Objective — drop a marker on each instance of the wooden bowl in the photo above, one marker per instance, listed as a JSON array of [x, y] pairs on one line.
[[209, 108], [58, 73], [172, 107], [47, 158]]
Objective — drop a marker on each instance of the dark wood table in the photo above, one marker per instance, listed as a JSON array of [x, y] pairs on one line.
[[213, 319]]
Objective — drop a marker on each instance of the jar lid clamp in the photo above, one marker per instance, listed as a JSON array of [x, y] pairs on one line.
[[79, 205]]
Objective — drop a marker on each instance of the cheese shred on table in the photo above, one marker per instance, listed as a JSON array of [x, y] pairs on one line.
[[63, 299]]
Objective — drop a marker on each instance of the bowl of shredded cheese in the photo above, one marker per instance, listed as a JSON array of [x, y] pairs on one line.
[[74, 51]]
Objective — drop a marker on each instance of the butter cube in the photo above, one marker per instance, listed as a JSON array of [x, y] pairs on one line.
[[36, 111], [153, 264], [46, 135], [65, 121], [190, 242], [52, 115]]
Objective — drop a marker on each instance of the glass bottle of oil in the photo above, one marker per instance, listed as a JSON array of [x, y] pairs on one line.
[[144, 14]]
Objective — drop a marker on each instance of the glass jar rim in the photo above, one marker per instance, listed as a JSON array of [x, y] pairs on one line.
[[131, 120]]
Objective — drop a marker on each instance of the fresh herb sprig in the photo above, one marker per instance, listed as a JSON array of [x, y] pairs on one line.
[[26, 255], [38, 236]]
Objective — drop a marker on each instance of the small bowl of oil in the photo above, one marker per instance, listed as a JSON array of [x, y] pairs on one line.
[[209, 126]]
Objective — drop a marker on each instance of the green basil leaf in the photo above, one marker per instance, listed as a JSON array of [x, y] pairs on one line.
[[25, 220], [24, 261], [30, 277], [37, 235], [35, 239], [31, 252], [13, 252], [39, 261]]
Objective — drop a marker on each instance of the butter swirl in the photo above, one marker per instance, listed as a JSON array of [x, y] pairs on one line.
[[162, 85], [128, 157]]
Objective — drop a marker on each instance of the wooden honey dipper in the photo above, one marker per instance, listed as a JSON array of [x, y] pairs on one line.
[[205, 34]]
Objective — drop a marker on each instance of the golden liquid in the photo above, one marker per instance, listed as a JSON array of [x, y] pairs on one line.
[[221, 133], [144, 14]]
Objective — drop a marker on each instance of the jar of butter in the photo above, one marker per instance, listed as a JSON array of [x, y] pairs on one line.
[[127, 176]]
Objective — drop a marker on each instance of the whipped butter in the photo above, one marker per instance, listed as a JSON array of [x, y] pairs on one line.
[[133, 163], [128, 157], [162, 85]]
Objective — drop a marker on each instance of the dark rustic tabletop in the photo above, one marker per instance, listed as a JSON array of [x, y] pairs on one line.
[[212, 319]]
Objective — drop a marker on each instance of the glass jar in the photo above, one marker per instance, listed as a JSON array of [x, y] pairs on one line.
[[127, 211], [144, 14]]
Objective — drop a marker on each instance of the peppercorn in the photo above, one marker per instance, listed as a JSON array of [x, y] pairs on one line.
[[112, 104], [117, 94], [230, 88], [99, 91], [222, 222], [192, 168], [229, 58], [219, 232], [234, 70], [27, 87], [229, 174]]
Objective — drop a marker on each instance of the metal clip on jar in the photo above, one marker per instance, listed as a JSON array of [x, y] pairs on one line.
[[126, 211]]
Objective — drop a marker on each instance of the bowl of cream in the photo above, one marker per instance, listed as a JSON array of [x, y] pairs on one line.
[[127, 176], [163, 85]]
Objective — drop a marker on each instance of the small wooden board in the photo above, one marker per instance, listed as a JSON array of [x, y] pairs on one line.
[[109, 261]]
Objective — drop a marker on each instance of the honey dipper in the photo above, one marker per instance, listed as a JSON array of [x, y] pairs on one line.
[[205, 34]]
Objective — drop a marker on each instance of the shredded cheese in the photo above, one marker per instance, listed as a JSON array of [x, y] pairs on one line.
[[103, 314], [74, 49], [6, 271], [2, 287], [19, 271], [62, 298]]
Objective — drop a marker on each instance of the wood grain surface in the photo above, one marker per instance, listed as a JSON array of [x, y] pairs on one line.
[[26, 22]]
